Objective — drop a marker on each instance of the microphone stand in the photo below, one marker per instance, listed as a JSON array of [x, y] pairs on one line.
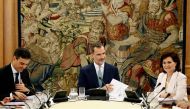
[[103, 82], [46, 103], [146, 103], [144, 99], [43, 104]]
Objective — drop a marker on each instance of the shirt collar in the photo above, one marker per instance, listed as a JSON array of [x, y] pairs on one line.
[[97, 66], [13, 69]]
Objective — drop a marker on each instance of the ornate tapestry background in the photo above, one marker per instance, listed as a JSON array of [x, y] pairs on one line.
[[135, 33]]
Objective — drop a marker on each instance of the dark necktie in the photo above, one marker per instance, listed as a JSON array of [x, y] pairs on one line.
[[16, 78]]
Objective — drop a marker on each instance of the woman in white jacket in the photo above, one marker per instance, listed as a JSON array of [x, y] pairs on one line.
[[171, 83]]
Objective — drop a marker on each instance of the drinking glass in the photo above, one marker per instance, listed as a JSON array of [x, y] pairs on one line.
[[73, 95], [82, 93]]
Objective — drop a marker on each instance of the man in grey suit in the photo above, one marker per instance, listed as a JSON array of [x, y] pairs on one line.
[[99, 73]]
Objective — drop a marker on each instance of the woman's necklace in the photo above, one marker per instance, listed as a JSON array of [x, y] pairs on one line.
[[167, 80]]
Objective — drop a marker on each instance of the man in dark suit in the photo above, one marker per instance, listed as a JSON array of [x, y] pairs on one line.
[[99, 73], [14, 78]]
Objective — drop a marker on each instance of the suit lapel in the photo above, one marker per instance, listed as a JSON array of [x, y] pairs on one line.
[[106, 73], [94, 75], [10, 77]]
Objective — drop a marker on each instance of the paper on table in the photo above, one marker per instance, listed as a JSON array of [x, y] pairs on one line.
[[165, 99], [14, 104], [118, 89], [175, 107], [30, 97]]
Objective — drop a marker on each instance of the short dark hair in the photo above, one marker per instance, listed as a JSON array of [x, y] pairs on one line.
[[23, 53], [174, 57], [96, 45]]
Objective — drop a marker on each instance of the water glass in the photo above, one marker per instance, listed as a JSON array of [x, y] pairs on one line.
[[82, 93], [73, 95]]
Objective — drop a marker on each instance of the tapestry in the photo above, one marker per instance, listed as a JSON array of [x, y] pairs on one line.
[[135, 33]]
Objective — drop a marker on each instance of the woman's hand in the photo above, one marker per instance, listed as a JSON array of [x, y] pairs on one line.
[[183, 104], [164, 95]]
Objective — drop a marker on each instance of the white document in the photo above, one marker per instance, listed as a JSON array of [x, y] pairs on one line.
[[175, 107], [165, 99], [118, 92], [14, 104]]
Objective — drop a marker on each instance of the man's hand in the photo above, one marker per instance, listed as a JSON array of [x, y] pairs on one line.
[[108, 87], [5, 100], [21, 88], [19, 95]]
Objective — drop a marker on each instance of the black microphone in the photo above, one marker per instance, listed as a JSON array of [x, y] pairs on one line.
[[33, 92], [47, 93], [162, 100], [27, 105], [103, 83], [163, 88], [37, 98], [158, 85], [44, 104], [101, 80]]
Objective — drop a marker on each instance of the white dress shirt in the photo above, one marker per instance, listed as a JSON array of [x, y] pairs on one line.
[[101, 68]]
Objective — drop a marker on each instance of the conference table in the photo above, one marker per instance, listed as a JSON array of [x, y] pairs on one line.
[[96, 104], [35, 102], [86, 104]]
